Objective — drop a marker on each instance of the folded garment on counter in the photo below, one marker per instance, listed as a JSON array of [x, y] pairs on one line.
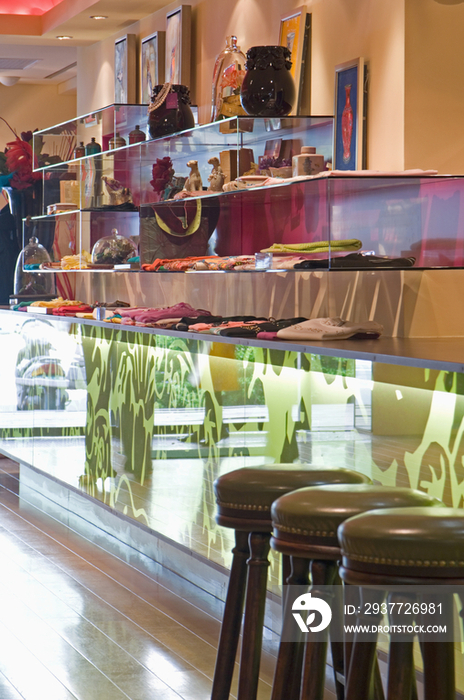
[[254, 328], [355, 260], [208, 262], [69, 310], [330, 329], [173, 264], [204, 323], [314, 246], [146, 315]]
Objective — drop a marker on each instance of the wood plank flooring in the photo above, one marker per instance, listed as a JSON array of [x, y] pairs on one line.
[[77, 621]]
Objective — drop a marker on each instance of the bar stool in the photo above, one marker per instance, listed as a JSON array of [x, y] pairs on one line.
[[405, 548], [244, 498], [305, 526]]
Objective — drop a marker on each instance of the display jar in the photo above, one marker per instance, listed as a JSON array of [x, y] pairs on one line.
[[169, 110], [228, 74], [268, 89]]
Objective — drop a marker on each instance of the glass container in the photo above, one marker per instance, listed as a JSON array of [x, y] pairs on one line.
[[92, 147], [228, 74], [136, 135], [117, 141], [28, 282], [79, 151], [113, 250]]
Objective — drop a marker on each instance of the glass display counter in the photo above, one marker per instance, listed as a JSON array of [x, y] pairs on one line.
[[145, 420]]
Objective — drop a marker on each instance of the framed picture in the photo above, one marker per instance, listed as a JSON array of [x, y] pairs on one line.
[[178, 30], [152, 56], [125, 51], [350, 115], [295, 34]]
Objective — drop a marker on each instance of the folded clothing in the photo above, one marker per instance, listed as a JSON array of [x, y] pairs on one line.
[[314, 246], [208, 262], [254, 328], [330, 329], [355, 260], [146, 315], [72, 310]]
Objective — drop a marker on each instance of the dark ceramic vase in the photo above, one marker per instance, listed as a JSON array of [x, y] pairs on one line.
[[173, 115], [268, 89]]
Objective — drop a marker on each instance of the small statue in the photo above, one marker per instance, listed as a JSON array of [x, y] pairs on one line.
[[118, 194], [217, 177], [193, 183]]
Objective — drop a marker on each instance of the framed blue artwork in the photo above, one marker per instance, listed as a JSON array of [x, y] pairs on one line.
[[350, 115]]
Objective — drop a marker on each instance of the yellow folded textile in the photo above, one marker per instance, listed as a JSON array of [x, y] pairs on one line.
[[55, 303], [76, 262], [315, 247]]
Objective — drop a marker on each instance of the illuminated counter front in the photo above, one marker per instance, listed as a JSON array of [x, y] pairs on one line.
[[143, 420]]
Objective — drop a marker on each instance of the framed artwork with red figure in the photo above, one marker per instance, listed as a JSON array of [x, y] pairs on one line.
[[350, 128]]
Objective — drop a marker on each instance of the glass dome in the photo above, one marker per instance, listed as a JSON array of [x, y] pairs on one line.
[[113, 250], [28, 283]]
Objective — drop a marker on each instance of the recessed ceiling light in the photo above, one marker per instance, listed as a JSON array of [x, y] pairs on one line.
[[98, 17], [63, 37]]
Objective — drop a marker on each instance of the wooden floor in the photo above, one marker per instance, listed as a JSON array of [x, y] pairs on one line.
[[81, 621]]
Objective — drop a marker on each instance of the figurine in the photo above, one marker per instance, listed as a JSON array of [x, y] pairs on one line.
[[193, 183], [217, 177], [118, 194]]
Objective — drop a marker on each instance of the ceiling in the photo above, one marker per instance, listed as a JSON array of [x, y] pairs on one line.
[[30, 51]]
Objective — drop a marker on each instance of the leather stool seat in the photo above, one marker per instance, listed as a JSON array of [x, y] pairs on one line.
[[308, 519], [407, 542], [244, 498], [305, 525], [394, 553]]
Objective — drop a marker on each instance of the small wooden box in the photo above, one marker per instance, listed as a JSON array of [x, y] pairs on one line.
[[228, 161]]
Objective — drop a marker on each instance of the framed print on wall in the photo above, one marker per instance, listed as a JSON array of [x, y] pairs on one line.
[[125, 51], [178, 31], [295, 34], [151, 64], [350, 115]]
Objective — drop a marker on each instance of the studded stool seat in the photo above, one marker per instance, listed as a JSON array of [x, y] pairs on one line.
[[244, 498], [305, 524], [405, 548]]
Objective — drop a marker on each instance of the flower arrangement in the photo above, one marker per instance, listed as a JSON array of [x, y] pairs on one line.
[[18, 160], [162, 172]]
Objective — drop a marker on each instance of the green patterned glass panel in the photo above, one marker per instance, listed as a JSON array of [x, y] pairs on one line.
[[145, 422]]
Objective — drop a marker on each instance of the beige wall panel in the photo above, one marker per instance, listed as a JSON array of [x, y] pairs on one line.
[[29, 107], [434, 104]]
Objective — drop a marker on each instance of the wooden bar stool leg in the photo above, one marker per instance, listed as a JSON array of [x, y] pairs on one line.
[[438, 656], [322, 574], [364, 653], [232, 620], [401, 673], [255, 602], [287, 677], [336, 647]]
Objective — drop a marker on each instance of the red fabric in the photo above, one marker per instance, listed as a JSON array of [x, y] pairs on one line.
[[72, 310]]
